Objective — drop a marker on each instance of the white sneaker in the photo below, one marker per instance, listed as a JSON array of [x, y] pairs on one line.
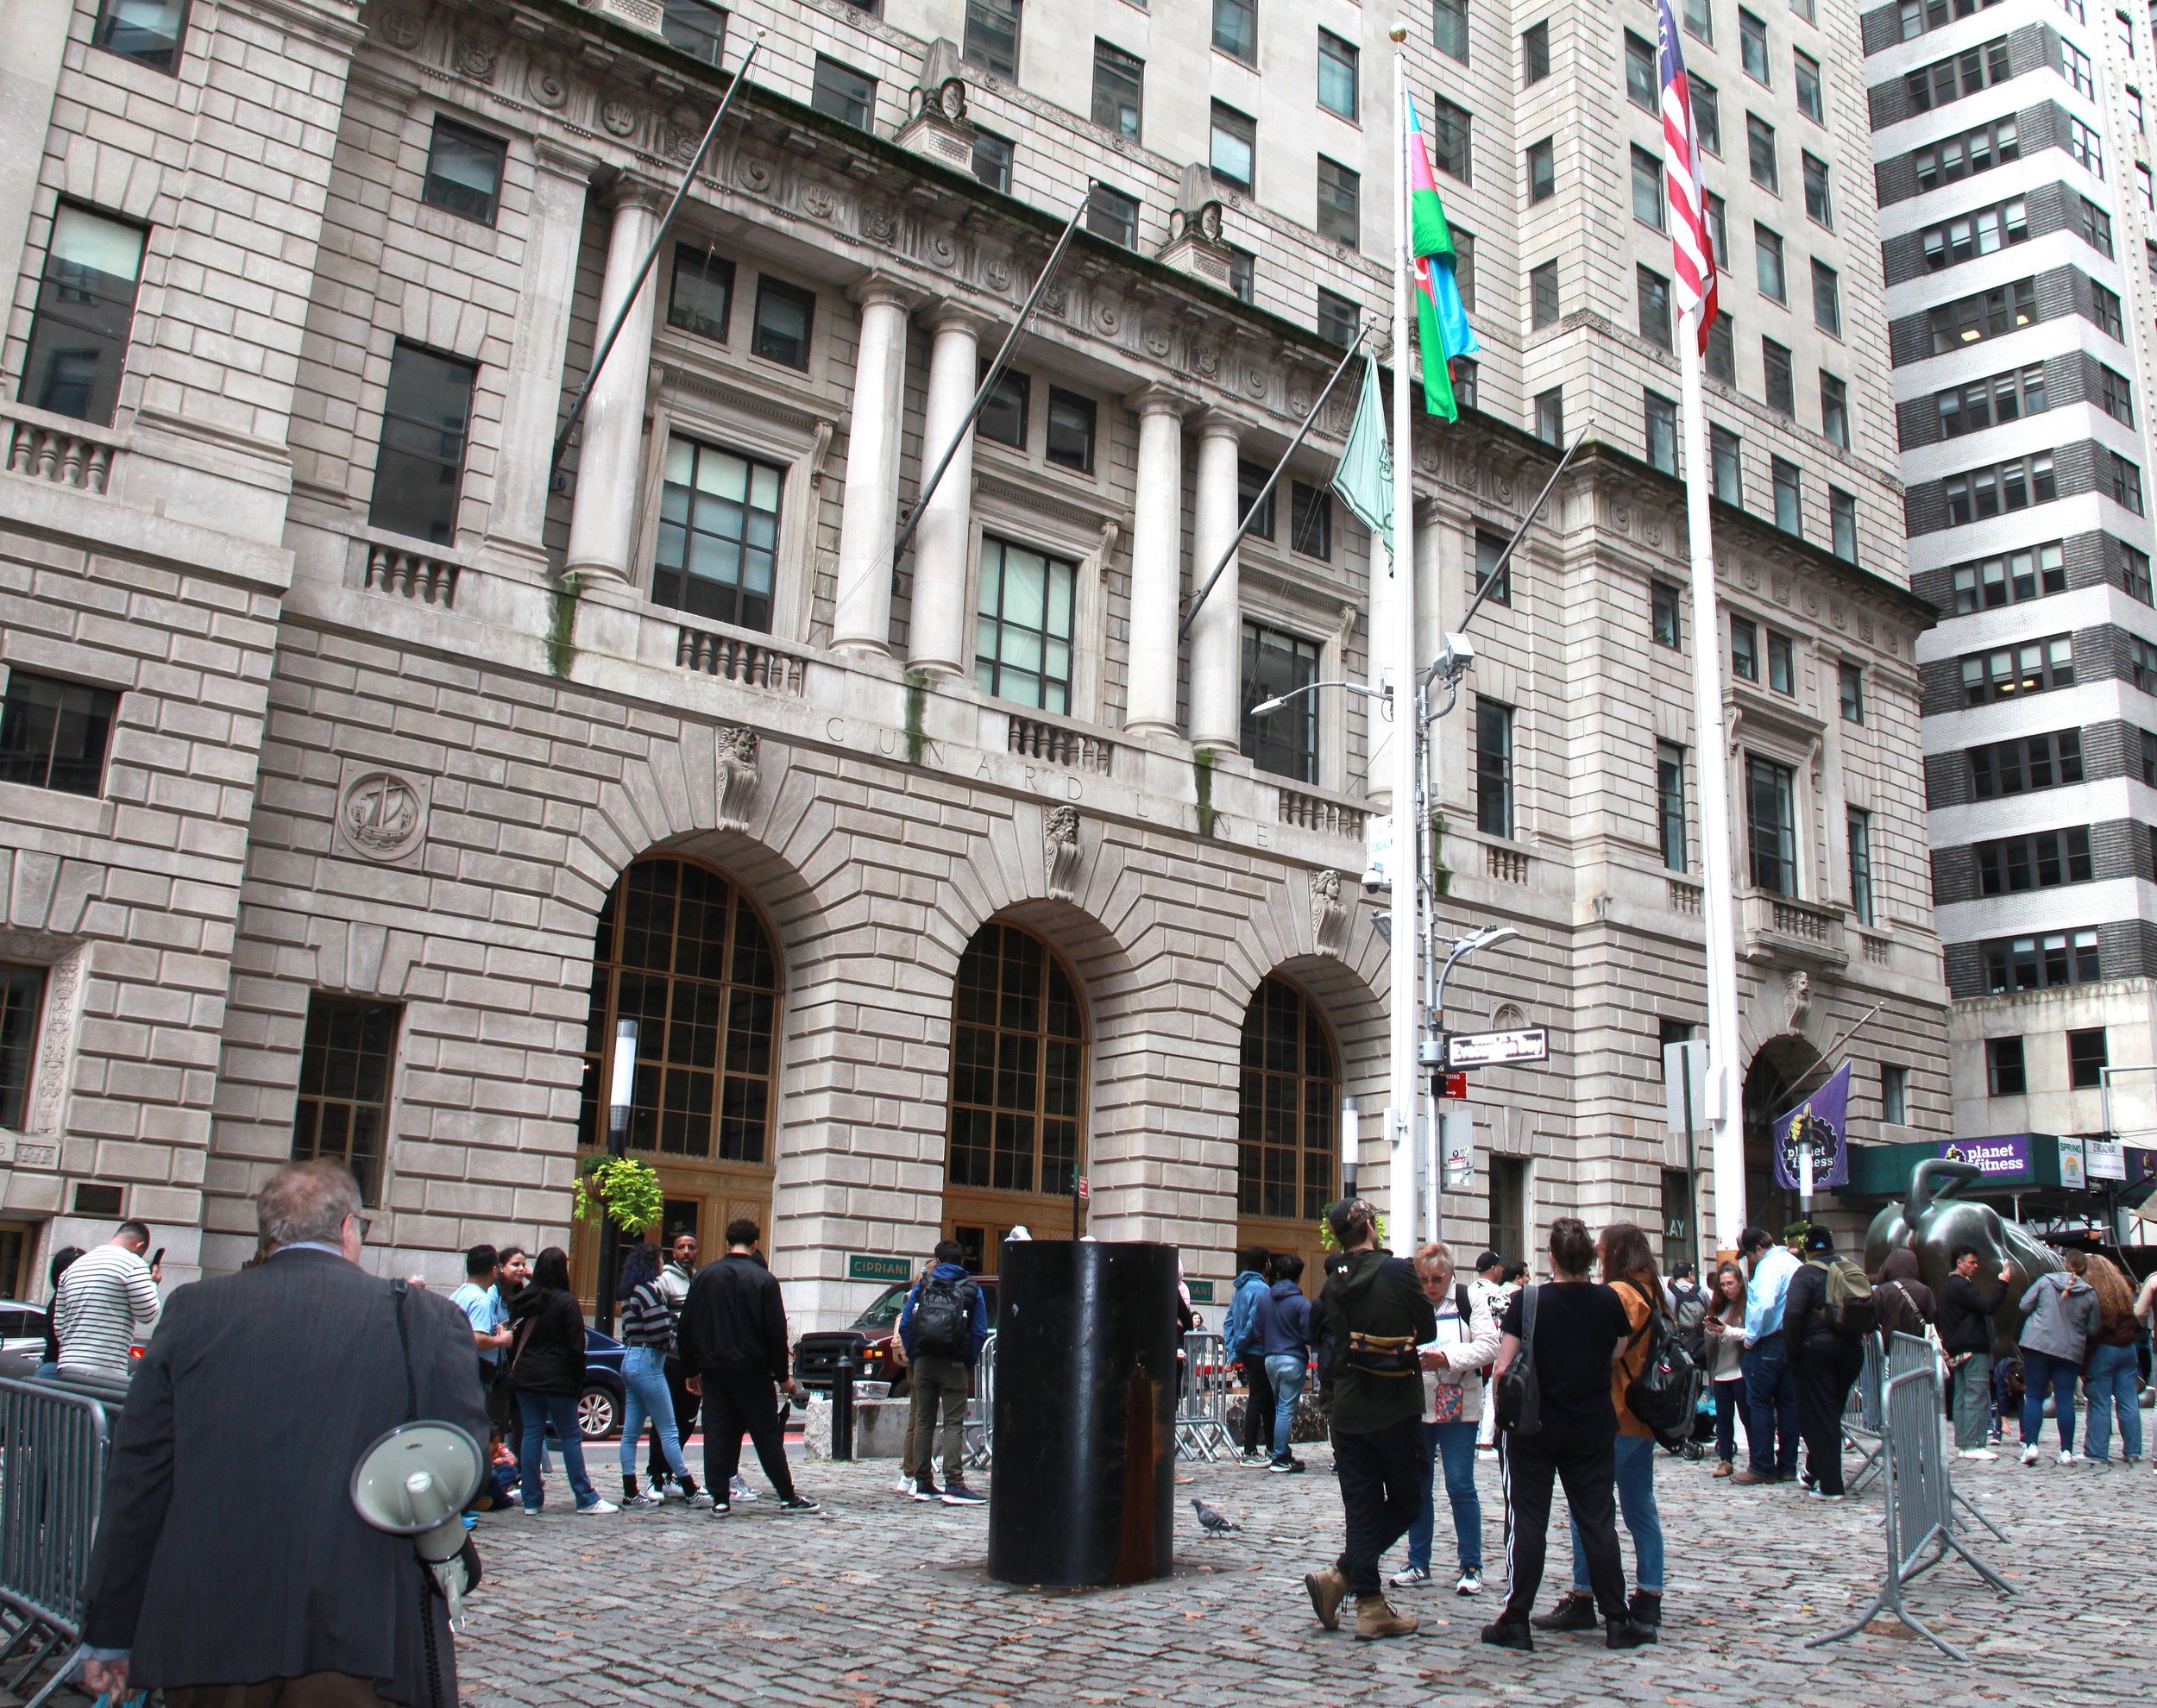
[[596, 1508], [2068, 1456], [1978, 1452], [1471, 1581], [741, 1490], [2029, 1453]]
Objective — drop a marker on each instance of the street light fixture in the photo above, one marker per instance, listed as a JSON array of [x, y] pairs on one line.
[[620, 1100], [1267, 707]]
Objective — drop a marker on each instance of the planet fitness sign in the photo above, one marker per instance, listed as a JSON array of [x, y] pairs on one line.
[[1996, 1158]]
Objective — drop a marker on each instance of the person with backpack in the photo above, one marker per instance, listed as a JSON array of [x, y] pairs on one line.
[[1629, 1271], [1281, 1334], [1239, 1347], [1827, 1314], [942, 1326], [1453, 1360], [2060, 1314], [647, 1336]]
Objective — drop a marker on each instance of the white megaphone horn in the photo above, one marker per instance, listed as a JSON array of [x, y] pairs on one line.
[[415, 1481]]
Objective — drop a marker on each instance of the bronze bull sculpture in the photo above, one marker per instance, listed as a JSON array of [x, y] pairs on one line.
[[1931, 1221]]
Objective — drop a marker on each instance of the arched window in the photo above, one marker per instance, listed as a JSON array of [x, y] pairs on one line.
[[680, 951], [1288, 1131], [1018, 1067]]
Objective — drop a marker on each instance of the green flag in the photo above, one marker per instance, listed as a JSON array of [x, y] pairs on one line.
[[1365, 478]]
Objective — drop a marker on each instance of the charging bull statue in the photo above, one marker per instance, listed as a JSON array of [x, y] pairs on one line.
[[1932, 1219]]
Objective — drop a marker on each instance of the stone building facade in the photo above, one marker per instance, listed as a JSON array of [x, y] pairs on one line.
[[360, 775]]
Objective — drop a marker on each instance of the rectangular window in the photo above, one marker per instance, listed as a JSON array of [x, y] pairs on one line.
[[85, 305], [1767, 254], [1004, 416], [992, 159], [1760, 154], [1542, 295], [1752, 47], [1721, 359], [1718, 229], [1113, 215], [717, 550], [2105, 306], [1986, 584], [2027, 764], [1826, 299], [2084, 149], [343, 1114], [2145, 188], [1535, 54], [1983, 492], [1242, 274], [1543, 171], [696, 28], [1022, 626], [1235, 28], [841, 92], [1311, 520], [1975, 151], [2048, 859], [2138, 659], [786, 314], [1808, 96], [2149, 757], [148, 32], [22, 997], [464, 172], [1285, 742], [53, 734], [1071, 430], [1551, 416], [1744, 649], [1339, 75], [2001, 398], [1780, 385], [701, 300], [1982, 233], [1669, 803], [1700, 19], [419, 460], [1895, 1093], [2042, 963], [1250, 481], [1665, 619], [1464, 274], [1647, 187], [1494, 768], [2003, 1075], [1338, 317], [1990, 314], [1654, 292], [2033, 667], [2097, 226], [1782, 663], [1723, 453], [1449, 27], [1232, 148], [1818, 203], [1834, 411], [1966, 72], [1790, 498], [992, 36], [1661, 415], [1119, 89], [1860, 836], [1850, 680], [1451, 138], [2127, 484], [1641, 88], [2076, 64], [1771, 817], [1340, 203], [2086, 1059], [1707, 115], [2134, 574], [1842, 523], [1489, 548]]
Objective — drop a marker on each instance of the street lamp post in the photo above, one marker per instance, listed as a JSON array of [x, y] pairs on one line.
[[620, 1100], [1462, 947]]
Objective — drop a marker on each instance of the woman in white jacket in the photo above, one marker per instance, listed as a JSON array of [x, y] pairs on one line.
[[1453, 1366]]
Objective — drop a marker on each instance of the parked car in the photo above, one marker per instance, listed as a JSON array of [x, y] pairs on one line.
[[22, 1329], [600, 1407], [816, 1356]]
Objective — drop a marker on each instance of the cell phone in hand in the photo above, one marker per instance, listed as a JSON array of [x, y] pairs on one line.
[[157, 1257]]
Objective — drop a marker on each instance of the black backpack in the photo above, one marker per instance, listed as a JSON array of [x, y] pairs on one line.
[[1666, 1392], [943, 1318], [1517, 1394]]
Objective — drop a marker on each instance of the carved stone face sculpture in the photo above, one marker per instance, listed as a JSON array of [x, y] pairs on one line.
[[1931, 1221]]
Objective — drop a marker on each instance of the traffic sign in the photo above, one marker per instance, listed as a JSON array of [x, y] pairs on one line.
[[1085, 1187], [1452, 1085], [1496, 1049]]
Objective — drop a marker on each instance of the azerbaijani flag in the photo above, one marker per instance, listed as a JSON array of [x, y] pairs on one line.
[[1441, 317]]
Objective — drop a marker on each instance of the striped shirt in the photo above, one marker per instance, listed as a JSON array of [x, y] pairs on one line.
[[645, 1319], [106, 1297]]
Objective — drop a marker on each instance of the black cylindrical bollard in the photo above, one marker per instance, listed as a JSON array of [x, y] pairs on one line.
[[1082, 1488], [843, 1404]]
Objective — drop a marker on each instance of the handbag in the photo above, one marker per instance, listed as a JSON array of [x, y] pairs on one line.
[[1519, 1396]]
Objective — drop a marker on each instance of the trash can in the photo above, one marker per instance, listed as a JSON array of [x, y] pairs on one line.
[[1082, 1489]]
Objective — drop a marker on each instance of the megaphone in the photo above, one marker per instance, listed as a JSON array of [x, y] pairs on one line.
[[416, 1480]]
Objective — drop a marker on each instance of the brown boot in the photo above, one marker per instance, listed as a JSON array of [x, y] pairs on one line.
[[1327, 1590], [1375, 1617]]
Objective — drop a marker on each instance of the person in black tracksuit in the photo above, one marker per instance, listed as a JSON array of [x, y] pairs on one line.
[[1824, 1362], [733, 1336]]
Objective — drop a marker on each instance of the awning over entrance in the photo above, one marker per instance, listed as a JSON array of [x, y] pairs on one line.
[[2045, 1174]]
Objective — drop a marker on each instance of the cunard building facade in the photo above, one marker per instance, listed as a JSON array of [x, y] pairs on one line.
[[359, 776]]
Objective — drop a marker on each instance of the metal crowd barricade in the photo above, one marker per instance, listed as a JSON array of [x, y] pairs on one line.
[[1202, 1399], [52, 1449], [979, 1428], [1867, 1427], [1921, 1497]]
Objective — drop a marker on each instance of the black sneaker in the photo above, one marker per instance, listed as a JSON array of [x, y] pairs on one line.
[[925, 1489], [799, 1505], [722, 1510], [1509, 1634], [958, 1494], [1628, 1634], [1574, 1612]]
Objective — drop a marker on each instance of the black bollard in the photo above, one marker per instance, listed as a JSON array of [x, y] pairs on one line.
[[843, 1404], [1082, 1488]]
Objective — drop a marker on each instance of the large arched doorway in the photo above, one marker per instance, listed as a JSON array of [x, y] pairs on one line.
[[1015, 1139], [682, 950], [1287, 1126], [1780, 1076]]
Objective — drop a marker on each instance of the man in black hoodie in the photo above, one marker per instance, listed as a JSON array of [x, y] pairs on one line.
[[1372, 1317], [1965, 1336], [733, 1335]]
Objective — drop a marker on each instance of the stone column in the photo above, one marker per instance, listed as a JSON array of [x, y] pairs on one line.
[[1157, 539], [1217, 638], [941, 629], [861, 619], [605, 514], [532, 402]]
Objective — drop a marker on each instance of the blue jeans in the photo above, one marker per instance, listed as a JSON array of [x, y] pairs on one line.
[[2042, 1371], [1285, 1371], [538, 1410], [1730, 1402], [2107, 1381], [1772, 1405], [1452, 1445], [1636, 1499], [644, 1372]]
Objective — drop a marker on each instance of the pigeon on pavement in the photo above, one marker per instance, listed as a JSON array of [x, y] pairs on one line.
[[1211, 1521]]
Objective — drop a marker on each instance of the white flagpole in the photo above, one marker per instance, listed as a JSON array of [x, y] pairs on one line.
[[1407, 874], [1724, 1113]]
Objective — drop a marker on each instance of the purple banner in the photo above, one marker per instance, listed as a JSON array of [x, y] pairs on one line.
[[1819, 1124], [2006, 1158]]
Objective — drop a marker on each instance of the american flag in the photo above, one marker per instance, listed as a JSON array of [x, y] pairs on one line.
[[1692, 254]]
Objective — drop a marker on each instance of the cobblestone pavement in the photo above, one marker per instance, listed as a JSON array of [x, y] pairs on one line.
[[884, 1600]]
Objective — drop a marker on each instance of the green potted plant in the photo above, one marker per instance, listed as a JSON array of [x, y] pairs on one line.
[[625, 1189]]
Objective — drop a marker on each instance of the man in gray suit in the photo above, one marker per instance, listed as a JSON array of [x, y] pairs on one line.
[[230, 1568]]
